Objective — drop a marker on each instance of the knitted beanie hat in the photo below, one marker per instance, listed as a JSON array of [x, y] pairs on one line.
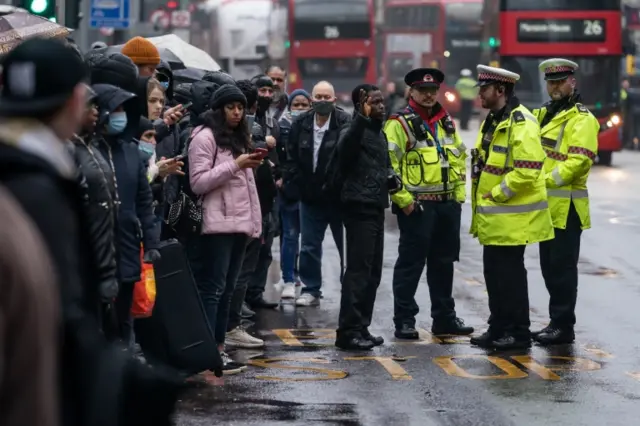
[[226, 94], [141, 51]]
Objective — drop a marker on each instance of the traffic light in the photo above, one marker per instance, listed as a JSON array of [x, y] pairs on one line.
[[494, 42], [44, 8], [631, 65]]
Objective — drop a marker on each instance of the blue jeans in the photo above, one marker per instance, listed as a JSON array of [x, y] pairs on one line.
[[314, 220], [290, 217], [216, 267]]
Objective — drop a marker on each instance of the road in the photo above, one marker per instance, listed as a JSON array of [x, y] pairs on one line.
[[301, 379]]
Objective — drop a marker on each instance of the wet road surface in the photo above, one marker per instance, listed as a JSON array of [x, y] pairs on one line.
[[301, 379]]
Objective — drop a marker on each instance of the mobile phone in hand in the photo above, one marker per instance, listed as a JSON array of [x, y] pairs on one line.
[[261, 152], [187, 105]]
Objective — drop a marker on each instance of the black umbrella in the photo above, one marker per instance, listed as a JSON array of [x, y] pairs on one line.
[[189, 75], [165, 54]]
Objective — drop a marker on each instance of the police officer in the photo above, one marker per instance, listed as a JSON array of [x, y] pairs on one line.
[[570, 139], [510, 210], [466, 87], [427, 153]]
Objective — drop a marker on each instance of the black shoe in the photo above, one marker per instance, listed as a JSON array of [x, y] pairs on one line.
[[453, 326], [354, 344], [376, 340], [544, 330], [246, 312], [262, 304], [556, 336], [486, 339], [407, 332], [508, 342]]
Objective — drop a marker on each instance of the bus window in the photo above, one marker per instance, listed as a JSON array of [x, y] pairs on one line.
[[333, 68]]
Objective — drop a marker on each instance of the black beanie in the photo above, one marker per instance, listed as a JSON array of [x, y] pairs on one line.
[[226, 94], [144, 126]]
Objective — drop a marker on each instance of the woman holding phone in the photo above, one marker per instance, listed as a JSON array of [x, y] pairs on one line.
[[220, 171]]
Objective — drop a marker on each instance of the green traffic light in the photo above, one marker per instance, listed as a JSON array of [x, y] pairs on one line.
[[39, 6], [493, 42], [287, 44], [598, 105]]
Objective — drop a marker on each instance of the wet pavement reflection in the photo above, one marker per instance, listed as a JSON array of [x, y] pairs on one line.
[[300, 378]]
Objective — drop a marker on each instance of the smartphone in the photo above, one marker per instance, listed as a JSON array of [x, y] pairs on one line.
[[179, 157], [187, 105], [261, 152]]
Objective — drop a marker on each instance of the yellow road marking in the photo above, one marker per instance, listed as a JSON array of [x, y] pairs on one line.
[[547, 371], [324, 373], [393, 367], [450, 367], [594, 350]]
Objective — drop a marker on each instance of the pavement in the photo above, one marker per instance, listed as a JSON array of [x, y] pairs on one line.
[[300, 378]]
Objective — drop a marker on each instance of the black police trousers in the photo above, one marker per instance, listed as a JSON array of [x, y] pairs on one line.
[[466, 112], [430, 234], [559, 264], [365, 248], [506, 278]]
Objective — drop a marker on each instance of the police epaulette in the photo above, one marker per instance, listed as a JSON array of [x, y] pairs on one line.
[[518, 117], [583, 109]]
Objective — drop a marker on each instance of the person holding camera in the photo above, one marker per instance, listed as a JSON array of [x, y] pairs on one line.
[[364, 166]]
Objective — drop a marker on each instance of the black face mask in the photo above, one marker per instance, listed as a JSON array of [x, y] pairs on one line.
[[264, 102]]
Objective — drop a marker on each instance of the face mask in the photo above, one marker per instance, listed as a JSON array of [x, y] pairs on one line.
[[250, 120], [147, 149], [264, 103], [164, 84], [117, 123], [323, 107], [296, 113]]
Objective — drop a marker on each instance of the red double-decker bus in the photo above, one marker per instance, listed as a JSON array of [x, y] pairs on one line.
[[334, 41], [414, 36], [523, 33]]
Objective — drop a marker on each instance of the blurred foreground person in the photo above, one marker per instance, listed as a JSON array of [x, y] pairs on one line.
[[42, 104], [29, 309]]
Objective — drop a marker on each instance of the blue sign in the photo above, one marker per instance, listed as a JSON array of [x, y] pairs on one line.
[[110, 14]]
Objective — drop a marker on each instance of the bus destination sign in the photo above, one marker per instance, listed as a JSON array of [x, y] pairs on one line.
[[562, 30]]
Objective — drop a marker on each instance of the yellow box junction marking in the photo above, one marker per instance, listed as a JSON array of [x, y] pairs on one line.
[[450, 367], [388, 363]]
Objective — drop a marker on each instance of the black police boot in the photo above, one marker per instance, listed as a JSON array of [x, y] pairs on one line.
[[556, 336], [376, 340], [354, 343], [407, 332], [486, 339], [544, 330], [454, 326], [510, 342]]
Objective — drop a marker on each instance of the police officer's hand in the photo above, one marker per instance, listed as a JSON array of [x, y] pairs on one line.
[[409, 209], [488, 196], [365, 108]]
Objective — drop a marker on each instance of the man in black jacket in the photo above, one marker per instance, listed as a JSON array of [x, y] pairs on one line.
[[364, 164], [312, 140]]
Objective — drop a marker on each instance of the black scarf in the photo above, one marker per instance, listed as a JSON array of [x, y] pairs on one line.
[[555, 107], [493, 119]]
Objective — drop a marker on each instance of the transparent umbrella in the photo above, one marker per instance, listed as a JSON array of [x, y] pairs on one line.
[[191, 56], [17, 25]]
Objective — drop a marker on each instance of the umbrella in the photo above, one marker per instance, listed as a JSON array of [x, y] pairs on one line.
[[16, 25], [191, 56], [165, 54], [189, 75]]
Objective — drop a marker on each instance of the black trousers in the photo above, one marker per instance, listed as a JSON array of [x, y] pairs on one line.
[[506, 279], [247, 271], [559, 264], [365, 247], [431, 235], [123, 312], [466, 112], [258, 281]]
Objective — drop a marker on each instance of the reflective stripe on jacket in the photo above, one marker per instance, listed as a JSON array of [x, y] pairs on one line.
[[418, 162], [570, 141], [512, 173]]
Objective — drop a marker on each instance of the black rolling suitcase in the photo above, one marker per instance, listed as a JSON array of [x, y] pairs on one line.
[[178, 332]]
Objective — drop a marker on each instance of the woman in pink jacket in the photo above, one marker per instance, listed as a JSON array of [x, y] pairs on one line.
[[220, 171]]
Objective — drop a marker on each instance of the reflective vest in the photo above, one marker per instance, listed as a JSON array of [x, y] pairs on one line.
[[570, 141], [467, 88], [422, 166], [511, 172]]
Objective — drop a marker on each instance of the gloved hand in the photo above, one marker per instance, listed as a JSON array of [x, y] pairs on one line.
[[151, 256], [109, 290]]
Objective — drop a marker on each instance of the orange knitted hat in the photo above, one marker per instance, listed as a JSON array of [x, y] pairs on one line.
[[141, 51]]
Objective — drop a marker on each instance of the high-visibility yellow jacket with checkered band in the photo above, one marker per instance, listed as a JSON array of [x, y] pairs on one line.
[[517, 212], [415, 158], [570, 140]]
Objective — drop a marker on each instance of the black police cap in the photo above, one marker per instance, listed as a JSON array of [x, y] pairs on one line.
[[424, 77]]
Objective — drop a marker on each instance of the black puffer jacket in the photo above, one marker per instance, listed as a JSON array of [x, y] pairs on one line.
[[301, 180], [100, 209], [364, 162]]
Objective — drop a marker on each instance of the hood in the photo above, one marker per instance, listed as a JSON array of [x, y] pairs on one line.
[[108, 98], [182, 93], [201, 94], [116, 70], [141, 93], [165, 69]]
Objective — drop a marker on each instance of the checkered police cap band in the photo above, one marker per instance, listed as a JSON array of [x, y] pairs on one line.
[[491, 76], [558, 69]]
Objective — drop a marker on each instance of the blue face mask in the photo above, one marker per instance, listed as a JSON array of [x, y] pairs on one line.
[[296, 113], [117, 123], [250, 120], [147, 150]]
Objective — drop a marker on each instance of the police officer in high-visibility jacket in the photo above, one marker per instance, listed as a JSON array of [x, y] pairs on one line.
[[570, 139], [509, 201], [466, 87], [427, 153]]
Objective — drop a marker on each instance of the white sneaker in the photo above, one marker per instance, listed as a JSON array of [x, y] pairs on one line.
[[239, 338], [307, 300], [289, 291]]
